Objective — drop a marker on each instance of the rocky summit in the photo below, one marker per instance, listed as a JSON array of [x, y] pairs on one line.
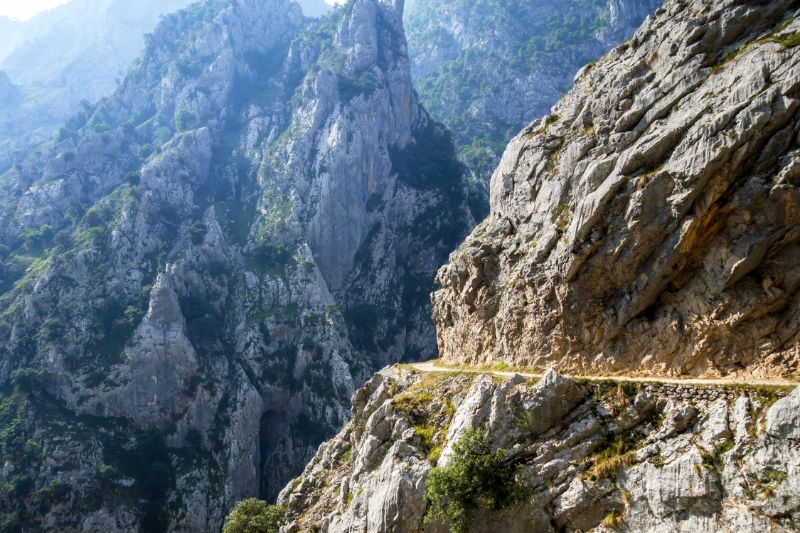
[[203, 267], [650, 222]]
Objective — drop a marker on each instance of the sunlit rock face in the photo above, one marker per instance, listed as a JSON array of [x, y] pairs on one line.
[[649, 223]]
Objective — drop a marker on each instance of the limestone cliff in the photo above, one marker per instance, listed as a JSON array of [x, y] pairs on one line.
[[595, 456], [200, 271], [650, 222]]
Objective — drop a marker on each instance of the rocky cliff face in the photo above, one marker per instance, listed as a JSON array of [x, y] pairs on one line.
[[197, 274], [649, 223], [487, 68], [596, 456]]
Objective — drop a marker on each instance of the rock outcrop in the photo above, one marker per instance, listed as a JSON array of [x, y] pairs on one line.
[[650, 222], [597, 456], [199, 273]]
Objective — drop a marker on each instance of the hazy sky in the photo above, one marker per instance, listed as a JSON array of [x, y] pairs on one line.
[[25, 9]]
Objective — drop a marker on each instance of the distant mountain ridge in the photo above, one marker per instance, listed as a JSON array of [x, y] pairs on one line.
[[487, 68], [73, 52]]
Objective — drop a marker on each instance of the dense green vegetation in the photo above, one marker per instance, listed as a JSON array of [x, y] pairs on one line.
[[478, 81], [254, 516], [34, 426], [475, 478], [363, 84]]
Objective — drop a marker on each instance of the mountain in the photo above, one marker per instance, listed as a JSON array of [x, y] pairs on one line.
[[648, 226], [487, 68], [202, 267], [76, 51], [649, 222]]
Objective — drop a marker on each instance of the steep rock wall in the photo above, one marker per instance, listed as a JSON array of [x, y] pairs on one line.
[[649, 223]]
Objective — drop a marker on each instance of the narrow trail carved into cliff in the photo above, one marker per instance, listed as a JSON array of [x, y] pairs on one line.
[[434, 366]]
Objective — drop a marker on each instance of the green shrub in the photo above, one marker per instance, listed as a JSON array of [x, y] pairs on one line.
[[475, 478], [350, 88], [133, 178], [52, 493], [29, 380], [184, 120], [254, 516], [52, 329], [197, 232], [162, 135], [414, 403], [712, 459], [144, 151]]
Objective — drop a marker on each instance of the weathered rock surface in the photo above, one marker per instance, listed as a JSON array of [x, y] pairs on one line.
[[649, 223], [690, 458], [201, 273]]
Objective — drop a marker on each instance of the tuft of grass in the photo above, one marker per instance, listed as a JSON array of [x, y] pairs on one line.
[[712, 459], [786, 41], [550, 120], [615, 453], [434, 454], [773, 476], [562, 217], [612, 520], [552, 162], [608, 468], [770, 480], [413, 403], [348, 456], [426, 436]]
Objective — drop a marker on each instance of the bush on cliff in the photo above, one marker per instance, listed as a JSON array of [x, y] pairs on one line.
[[254, 516], [474, 478]]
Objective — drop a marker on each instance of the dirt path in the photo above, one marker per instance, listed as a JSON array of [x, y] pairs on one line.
[[431, 366]]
